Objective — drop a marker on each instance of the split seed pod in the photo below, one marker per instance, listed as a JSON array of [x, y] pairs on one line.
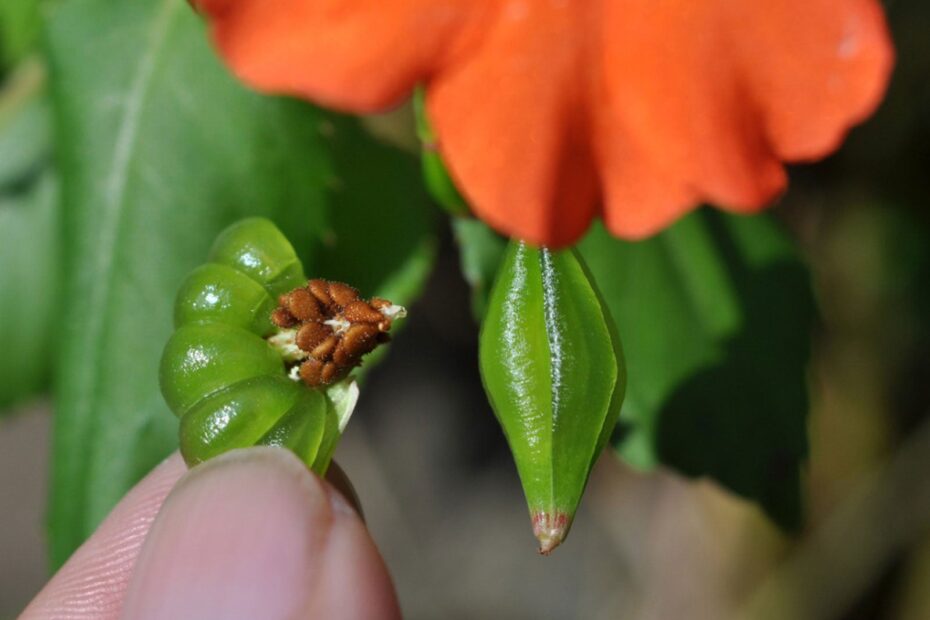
[[554, 373], [231, 370]]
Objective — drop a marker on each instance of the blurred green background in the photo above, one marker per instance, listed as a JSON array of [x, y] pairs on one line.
[[436, 481]]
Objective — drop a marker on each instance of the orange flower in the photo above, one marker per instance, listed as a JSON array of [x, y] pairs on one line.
[[550, 112]]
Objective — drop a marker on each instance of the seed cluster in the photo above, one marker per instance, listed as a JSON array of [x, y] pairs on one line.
[[332, 328]]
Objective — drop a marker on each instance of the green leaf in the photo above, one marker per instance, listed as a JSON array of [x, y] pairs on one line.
[[29, 290], [25, 129], [380, 238], [480, 252], [553, 371], [160, 149], [29, 242], [19, 30], [715, 316]]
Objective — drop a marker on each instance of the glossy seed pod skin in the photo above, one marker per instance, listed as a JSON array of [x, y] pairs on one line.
[[203, 358], [258, 249], [218, 372], [554, 373], [214, 292], [265, 410]]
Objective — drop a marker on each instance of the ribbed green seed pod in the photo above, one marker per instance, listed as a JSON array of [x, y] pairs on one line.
[[221, 376], [203, 358], [554, 373], [215, 292], [258, 249]]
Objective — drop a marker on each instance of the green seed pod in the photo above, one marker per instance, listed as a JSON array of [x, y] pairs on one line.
[[554, 373], [215, 292], [258, 249], [232, 370]]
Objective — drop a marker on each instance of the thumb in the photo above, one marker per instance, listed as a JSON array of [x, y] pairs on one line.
[[254, 534]]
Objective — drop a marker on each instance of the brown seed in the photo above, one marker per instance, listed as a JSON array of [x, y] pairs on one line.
[[303, 306], [312, 334], [344, 358], [359, 340], [342, 294], [360, 312], [330, 373], [283, 318], [320, 290], [332, 354], [310, 372], [324, 350]]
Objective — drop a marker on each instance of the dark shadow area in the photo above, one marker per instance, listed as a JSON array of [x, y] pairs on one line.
[[740, 422]]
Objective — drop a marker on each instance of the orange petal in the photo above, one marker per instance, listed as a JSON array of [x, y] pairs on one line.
[[818, 68], [545, 107], [358, 55], [657, 105], [701, 101], [511, 117]]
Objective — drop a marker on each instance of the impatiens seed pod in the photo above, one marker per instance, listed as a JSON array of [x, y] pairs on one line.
[[261, 356], [554, 373]]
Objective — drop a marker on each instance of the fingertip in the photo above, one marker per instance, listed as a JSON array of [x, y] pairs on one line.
[[356, 583], [92, 583], [254, 534]]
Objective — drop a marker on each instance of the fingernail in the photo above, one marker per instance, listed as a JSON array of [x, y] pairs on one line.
[[356, 583], [339, 481], [242, 536]]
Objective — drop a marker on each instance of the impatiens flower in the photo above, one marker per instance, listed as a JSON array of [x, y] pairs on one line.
[[550, 112]]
